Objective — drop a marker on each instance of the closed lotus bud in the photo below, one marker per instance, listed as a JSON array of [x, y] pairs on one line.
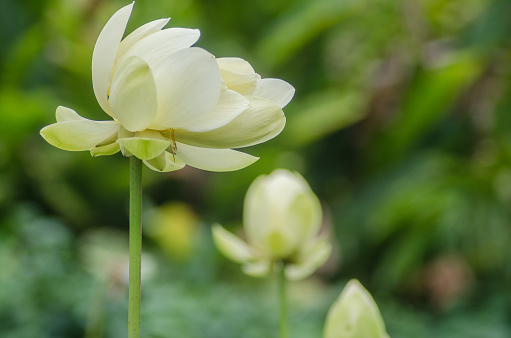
[[282, 218], [354, 315]]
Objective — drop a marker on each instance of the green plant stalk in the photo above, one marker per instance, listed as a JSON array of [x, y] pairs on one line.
[[283, 301], [135, 245]]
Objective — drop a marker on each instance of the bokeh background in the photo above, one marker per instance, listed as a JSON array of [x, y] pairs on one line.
[[401, 123]]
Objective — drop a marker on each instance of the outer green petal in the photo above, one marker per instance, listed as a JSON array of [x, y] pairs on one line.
[[309, 261], [66, 114], [146, 145], [229, 106], [354, 314], [140, 33], [260, 268], [105, 51], [232, 246], [165, 162], [261, 121], [79, 135], [275, 90], [133, 94], [213, 159], [107, 149]]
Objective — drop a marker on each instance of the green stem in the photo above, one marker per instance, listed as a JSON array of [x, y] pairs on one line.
[[135, 247], [283, 301]]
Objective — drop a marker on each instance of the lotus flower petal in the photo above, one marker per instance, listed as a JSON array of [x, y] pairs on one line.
[[145, 145], [261, 121], [309, 261], [133, 94], [158, 46], [229, 106], [188, 87], [107, 149], [140, 33], [105, 51], [232, 246], [213, 159], [258, 268], [275, 90], [165, 162], [79, 135]]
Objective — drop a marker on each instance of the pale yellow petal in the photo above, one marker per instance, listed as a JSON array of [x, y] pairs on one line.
[[105, 51], [159, 45], [140, 33], [238, 75], [213, 159], [133, 94], [188, 85], [261, 121], [235, 65], [275, 90], [229, 106]]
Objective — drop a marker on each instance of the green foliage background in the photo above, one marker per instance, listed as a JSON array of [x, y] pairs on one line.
[[401, 123]]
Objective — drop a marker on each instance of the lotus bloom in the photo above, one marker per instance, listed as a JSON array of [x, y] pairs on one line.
[[172, 104], [282, 217], [354, 315]]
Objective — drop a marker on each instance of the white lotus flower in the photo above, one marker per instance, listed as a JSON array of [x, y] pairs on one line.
[[354, 315], [172, 104], [282, 217]]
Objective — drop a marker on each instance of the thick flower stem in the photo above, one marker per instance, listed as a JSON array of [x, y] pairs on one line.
[[283, 302], [135, 247]]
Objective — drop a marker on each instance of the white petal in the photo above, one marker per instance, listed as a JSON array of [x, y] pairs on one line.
[[133, 94], [145, 145], [139, 33], [66, 114], [157, 46], [105, 50], [235, 65], [229, 106], [232, 246], [188, 84], [275, 90], [213, 159], [164, 163], [261, 121], [238, 75], [79, 135]]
